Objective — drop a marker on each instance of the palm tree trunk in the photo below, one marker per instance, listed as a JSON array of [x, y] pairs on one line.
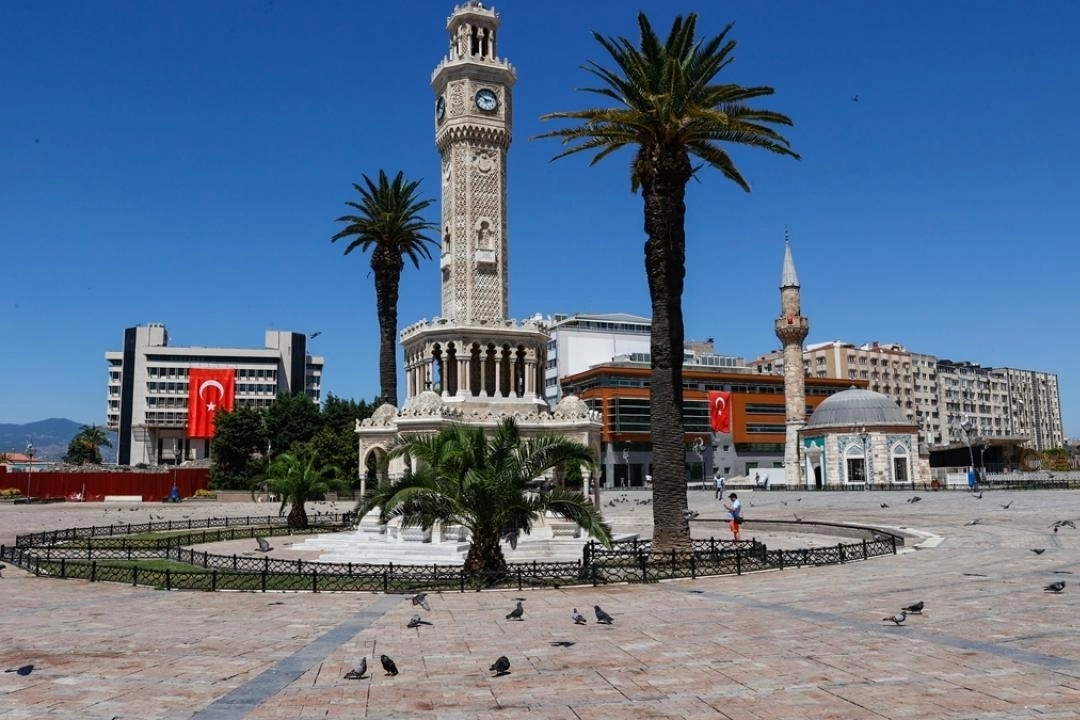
[[297, 516], [664, 191], [387, 266], [485, 555]]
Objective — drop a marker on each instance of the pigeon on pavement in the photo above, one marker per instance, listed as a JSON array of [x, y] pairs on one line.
[[914, 499], [976, 521], [602, 617], [421, 600], [1063, 523], [27, 669], [578, 618], [388, 665], [1055, 587], [500, 666], [915, 607], [516, 613], [884, 505], [358, 672], [415, 621], [898, 619]]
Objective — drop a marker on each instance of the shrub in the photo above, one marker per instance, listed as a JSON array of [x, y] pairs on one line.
[[9, 492], [203, 493]]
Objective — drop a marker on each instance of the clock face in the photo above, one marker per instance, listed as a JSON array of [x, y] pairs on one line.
[[440, 108], [487, 100]]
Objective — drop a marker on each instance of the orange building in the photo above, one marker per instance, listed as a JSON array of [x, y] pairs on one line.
[[620, 391]]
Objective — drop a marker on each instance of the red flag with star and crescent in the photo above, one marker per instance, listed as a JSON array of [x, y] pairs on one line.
[[720, 411], [209, 390]]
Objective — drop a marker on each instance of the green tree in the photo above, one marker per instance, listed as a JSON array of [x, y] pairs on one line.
[[298, 478], [464, 477], [388, 223], [669, 107], [291, 419], [238, 450], [86, 446]]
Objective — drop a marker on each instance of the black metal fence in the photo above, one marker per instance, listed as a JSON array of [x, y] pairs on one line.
[[112, 554]]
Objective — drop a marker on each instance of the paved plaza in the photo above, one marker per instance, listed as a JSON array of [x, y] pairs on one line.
[[798, 643]]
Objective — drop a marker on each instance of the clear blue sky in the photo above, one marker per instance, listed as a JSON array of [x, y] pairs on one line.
[[184, 163]]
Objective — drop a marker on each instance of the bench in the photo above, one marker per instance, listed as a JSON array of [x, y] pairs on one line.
[[124, 498]]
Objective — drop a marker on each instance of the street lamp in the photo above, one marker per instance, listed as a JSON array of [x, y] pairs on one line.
[[699, 450], [968, 429], [29, 466], [626, 460]]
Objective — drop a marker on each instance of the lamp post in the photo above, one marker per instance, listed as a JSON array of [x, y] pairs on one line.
[[865, 437], [626, 461], [699, 450], [968, 428], [982, 458], [29, 466]]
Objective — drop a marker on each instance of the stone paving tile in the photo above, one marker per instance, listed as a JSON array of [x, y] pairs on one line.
[[797, 643]]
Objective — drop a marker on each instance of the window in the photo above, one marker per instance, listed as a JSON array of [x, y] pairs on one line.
[[900, 470]]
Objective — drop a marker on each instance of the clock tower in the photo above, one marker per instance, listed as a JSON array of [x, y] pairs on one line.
[[473, 353], [472, 132]]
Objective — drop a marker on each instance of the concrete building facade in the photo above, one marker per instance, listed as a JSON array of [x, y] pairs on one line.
[[147, 391], [577, 342]]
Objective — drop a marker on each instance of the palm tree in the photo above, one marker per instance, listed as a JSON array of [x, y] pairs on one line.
[[465, 477], [669, 107], [388, 223], [86, 446], [298, 478]]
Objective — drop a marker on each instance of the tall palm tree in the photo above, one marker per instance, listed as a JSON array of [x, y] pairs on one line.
[[86, 446], [298, 478], [669, 106], [466, 477], [388, 223]]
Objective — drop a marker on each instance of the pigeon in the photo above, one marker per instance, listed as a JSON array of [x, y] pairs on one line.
[[263, 545], [602, 617], [2, 568], [976, 521], [914, 607], [898, 619], [1007, 505], [1055, 587], [578, 618], [27, 669], [855, 98], [1063, 523], [1038, 551], [358, 672], [415, 622], [914, 499], [421, 600], [500, 666], [689, 514], [516, 613], [884, 505], [388, 665]]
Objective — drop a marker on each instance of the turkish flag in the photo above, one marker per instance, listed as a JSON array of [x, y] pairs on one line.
[[209, 390], [720, 411]]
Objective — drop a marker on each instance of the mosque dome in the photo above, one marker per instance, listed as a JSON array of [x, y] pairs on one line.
[[857, 408]]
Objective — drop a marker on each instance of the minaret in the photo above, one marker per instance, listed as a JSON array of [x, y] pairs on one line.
[[791, 329]]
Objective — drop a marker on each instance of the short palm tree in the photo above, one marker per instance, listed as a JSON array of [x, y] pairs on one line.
[[466, 476], [298, 478], [86, 446], [388, 223], [668, 106]]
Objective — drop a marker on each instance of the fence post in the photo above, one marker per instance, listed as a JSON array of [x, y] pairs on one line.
[[840, 547], [315, 580], [461, 578], [738, 560], [592, 573], [93, 571], [134, 574], [213, 580], [234, 561], [385, 580], [865, 552], [693, 566], [63, 568], [644, 565], [264, 580], [893, 538], [519, 577], [780, 559], [168, 579]]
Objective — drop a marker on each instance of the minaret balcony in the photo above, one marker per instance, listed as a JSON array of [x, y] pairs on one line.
[[485, 257], [444, 261], [795, 327]]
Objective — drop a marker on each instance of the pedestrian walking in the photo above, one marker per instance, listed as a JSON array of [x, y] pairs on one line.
[[735, 508]]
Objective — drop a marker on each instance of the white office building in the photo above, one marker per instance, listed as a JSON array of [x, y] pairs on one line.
[[147, 403], [578, 342]]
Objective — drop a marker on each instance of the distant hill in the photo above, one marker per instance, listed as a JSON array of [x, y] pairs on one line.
[[50, 437]]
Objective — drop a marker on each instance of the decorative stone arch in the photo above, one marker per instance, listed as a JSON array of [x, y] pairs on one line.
[[374, 466], [854, 467], [484, 228], [900, 467]]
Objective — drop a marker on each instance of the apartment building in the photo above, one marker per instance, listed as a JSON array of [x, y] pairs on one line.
[[577, 342], [148, 393]]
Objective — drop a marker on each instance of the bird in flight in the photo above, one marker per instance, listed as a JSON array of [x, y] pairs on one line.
[[1038, 551], [914, 499], [898, 619], [1007, 505], [314, 335], [421, 600], [264, 546], [854, 98]]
